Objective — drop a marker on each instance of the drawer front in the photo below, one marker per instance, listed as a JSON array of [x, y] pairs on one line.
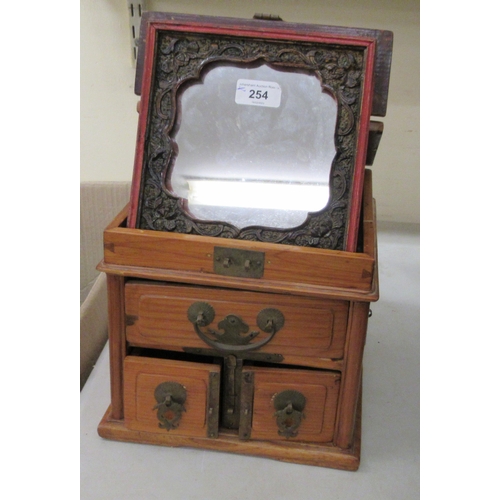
[[164, 316], [286, 404], [169, 396]]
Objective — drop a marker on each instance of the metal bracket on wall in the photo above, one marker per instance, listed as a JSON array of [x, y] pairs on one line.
[[135, 10]]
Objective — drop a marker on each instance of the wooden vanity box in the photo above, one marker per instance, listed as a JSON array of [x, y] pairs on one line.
[[250, 343], [154, 278]]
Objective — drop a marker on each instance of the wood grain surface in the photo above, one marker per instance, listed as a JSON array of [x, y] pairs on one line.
[[143, 375], [315, 454], [157, 317], [320, 390], [289, 269]]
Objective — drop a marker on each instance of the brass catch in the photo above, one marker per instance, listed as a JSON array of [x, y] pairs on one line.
[[238, 263]]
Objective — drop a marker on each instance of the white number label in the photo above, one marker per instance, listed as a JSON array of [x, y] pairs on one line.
[[258, 93]]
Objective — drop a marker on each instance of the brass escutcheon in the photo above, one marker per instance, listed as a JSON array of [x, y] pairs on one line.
[[289, 406], [170, 397]]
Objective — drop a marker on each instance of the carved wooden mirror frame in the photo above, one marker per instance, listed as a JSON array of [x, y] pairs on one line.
[[175, 49]]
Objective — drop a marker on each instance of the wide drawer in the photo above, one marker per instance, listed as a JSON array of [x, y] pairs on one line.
[[288, 404], [170, 396], [174, 317]]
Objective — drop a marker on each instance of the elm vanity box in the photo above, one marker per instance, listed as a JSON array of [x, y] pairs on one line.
[[239, 326]]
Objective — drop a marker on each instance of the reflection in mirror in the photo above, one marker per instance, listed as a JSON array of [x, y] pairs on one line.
[[255, 146]]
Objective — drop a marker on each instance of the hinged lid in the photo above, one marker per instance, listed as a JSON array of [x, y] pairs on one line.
[[255, 130]]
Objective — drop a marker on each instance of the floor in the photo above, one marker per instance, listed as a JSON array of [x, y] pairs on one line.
[[389, 467]]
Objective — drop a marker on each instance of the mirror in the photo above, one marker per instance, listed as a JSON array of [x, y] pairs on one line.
[[255, 146], [251, 136]]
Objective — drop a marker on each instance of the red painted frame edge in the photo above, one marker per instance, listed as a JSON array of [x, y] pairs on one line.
[[383, 51], [361, 151], [151, 27]]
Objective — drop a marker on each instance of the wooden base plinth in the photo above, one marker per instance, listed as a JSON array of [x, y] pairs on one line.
[[320, 455]]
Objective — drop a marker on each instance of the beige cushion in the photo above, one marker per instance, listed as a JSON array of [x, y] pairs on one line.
[[100, 202]]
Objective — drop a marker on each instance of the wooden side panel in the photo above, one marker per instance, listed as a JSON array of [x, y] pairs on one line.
[[179, 252], [116, 332], [320, 390], [351, 382], [157, 317], [376, 131], [143, 375], [369, 233]]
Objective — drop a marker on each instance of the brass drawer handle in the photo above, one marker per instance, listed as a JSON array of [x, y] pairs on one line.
[[170, 397], [234, 335], [289, 406]]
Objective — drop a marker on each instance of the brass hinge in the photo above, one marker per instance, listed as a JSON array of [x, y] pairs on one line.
[[267, 17], [246, 405], [213, 405], [231, 392]]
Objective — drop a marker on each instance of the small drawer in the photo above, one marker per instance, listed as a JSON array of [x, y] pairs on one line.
[[173, 317], [288, 404], [170, 396]]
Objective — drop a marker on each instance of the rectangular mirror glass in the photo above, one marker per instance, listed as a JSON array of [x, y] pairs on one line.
[[255, 146]]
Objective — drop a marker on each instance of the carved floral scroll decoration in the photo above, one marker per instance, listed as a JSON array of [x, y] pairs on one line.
[[182, 58]]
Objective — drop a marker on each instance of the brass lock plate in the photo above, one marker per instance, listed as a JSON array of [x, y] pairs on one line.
[[289, 414], [238, 263], [170, 397]]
